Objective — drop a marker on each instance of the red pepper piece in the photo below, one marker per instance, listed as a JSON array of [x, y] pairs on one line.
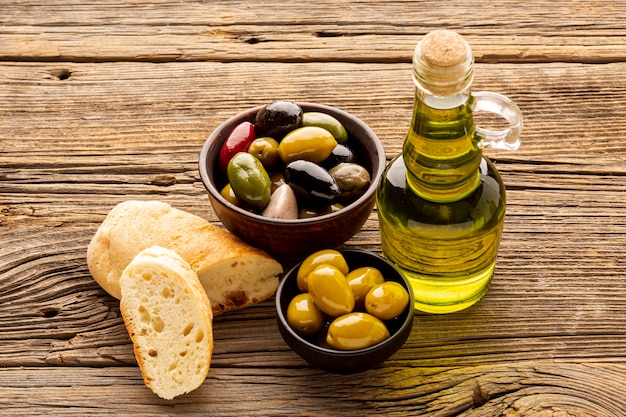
[[238, 141]]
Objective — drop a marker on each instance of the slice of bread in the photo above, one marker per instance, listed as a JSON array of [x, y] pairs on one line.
[[233, 273], [169, 319]]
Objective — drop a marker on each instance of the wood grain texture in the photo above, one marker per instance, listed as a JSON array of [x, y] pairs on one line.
[[543, 389], [103, 102], [353, 31]]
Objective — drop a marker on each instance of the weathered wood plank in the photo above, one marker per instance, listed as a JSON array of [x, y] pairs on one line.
[[529, 389], [349, 31], [126, 134], [54, 311], [102, 110], [309, 44], [80, 133]]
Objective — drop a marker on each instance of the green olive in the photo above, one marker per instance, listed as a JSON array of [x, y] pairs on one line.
[[336, 207], [314, 211], [356, 331], [352, 180], [362, 280], [387, 300], [321, 257], [266, 151], [249, 180], [228, 193], [330, 290], [309, 212], [328, 122], [303, 315], [310, 143]]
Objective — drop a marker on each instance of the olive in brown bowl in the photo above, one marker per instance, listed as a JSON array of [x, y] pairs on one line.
[[292, 239]]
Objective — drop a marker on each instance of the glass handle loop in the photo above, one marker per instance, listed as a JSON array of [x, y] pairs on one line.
[[508, 138]]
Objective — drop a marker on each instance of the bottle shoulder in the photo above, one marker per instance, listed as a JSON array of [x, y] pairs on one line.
[[486, 203]]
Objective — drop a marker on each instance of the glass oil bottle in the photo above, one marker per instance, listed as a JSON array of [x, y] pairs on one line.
[[441, 203]]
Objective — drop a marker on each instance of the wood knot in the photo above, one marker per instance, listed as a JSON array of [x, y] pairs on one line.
[[50, 312], [61, 74], [163, 180], [479, 397]]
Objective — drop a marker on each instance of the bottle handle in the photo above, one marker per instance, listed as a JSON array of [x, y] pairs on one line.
[[508, 138]]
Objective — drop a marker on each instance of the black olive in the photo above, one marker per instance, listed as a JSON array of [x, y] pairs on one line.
[[278, 118], [340, 154], [311, 183]]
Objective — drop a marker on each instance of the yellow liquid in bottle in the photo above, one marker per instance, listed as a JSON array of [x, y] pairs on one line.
[[441, 209]]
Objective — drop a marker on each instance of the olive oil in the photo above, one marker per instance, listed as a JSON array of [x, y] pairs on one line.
[[441, 203], [446, 250]]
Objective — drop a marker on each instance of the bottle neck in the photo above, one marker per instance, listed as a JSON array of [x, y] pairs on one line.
[[440, 150], [443, 64]]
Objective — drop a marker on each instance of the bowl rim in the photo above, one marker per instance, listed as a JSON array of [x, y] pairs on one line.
[[281, 317], [241, 116]]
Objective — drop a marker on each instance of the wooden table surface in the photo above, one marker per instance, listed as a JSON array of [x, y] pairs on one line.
[[102, 102]]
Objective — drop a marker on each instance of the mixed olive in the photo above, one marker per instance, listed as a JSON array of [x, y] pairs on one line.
[[342, 308], [291, 164]]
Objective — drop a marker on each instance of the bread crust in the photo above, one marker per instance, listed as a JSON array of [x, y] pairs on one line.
[[132, 226], [169, 320]]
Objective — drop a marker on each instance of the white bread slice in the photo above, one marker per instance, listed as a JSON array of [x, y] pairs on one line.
[[169, 319], [233, 273]]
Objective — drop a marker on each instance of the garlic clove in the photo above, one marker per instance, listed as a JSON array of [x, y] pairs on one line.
[[283, 204]]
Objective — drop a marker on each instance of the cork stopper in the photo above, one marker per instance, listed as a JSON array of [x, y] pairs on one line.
[[444, 48], [443, 63]]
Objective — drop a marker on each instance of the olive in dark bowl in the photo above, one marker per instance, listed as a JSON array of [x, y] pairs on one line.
[[289, 240], [317, 353]]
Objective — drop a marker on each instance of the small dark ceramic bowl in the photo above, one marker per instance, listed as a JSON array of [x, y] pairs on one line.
[[342, 361], [285, 239]]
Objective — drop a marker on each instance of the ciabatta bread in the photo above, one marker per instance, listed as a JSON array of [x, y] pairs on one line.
[[169, 319], [233, 273]]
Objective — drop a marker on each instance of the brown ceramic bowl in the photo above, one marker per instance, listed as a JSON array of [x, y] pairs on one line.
[[291, 240]]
